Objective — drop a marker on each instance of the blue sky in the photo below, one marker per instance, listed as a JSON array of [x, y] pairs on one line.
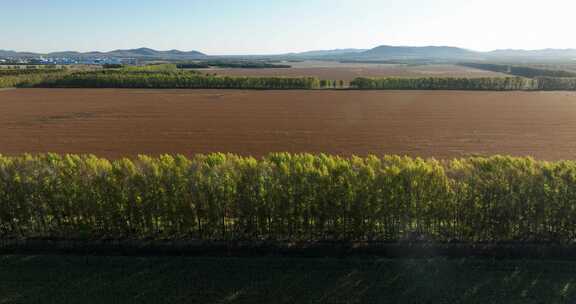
[[278, 26]]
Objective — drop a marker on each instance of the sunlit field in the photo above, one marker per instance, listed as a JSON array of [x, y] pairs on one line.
[[441, 124]]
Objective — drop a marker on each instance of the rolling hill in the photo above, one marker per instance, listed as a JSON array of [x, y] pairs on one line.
[[406, 52], [383, 52], [131, 53]]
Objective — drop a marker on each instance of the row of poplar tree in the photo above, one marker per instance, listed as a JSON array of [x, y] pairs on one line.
[[288, 197], [168, 76]]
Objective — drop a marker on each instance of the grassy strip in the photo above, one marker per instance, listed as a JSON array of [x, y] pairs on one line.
[[86, 279]]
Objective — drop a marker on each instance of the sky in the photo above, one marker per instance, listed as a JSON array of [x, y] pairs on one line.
[[226, 27]]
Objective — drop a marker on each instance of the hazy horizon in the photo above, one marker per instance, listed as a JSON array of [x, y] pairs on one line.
[[256, 27], [264, 54]]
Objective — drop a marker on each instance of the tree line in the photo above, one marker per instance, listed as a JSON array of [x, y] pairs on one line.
[[169, 80], [161, 76], [30, 79], [168, 76], [475, 84], [522, 71], [556, 84], [289, 197], [161, 67], [20, 72], [444, 83]]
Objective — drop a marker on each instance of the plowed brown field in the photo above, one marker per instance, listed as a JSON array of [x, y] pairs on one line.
[[349, 71], [443, 124]]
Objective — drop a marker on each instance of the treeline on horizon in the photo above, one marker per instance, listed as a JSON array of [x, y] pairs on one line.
[[288, 197], [152, 76], [466, 84], [175, 80], [444, 83], [517, 70], [20, 72], [168, 76], [28, 78]]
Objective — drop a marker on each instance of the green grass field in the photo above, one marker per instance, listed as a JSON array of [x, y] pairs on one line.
[[79, 279]]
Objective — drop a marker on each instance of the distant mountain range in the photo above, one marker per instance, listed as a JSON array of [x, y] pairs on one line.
[[448, 53], [145, 53], [560, 53], [384, 52], [406, 52]]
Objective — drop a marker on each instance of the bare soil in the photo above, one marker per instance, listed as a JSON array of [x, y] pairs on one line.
[[442, 124]]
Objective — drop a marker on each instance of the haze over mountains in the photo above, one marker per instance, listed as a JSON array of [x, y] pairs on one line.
[[383, 52], [132, 53], [386, 52]]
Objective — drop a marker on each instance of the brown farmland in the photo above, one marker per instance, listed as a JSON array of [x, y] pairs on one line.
[[349, 71], [443, 124]]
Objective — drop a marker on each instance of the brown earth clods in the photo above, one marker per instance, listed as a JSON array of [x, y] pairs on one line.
[[442, 124]]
